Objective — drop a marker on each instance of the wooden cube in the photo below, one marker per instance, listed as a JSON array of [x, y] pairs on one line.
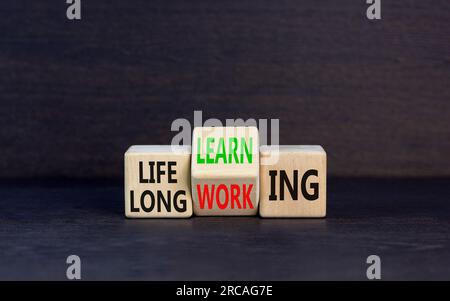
[[157, 181], [225, 170], [294, 185]]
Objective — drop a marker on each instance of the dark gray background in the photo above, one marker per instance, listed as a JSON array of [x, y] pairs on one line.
[[75, 95]]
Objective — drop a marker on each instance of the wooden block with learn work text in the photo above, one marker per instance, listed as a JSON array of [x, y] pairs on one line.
[[294, 185], [225, 170], [157, 181]]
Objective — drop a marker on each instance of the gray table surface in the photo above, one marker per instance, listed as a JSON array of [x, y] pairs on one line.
[[405, 222]]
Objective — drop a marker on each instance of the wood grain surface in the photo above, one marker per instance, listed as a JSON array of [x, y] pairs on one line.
[[75, 95]]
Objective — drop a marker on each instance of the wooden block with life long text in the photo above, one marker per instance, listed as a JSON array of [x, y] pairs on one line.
[[157, 181]]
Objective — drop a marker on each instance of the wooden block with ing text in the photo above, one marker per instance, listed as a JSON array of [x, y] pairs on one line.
[[157, 181], [294, 183], [225, 170]]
